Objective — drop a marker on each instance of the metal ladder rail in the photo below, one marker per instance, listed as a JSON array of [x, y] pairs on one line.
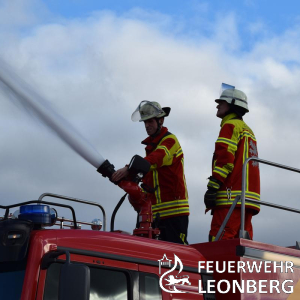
[[242, 233], [237, 199]]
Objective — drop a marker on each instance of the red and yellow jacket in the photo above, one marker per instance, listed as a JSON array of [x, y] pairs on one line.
[[166, 178], [236, 143]]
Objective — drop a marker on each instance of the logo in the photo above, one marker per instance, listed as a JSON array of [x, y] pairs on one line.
[[253, 152], [167, 282]]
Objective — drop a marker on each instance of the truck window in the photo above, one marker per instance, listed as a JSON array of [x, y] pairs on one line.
[[11, 279], [149, 287], [108, 284], [105, 283]]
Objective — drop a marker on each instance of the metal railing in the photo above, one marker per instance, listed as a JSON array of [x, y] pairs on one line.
[[242, 198], [8, 207], [78, 201]]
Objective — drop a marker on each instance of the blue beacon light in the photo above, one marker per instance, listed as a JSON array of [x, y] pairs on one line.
[[38, 214]]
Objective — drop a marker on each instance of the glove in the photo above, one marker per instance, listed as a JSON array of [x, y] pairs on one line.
[[210, 198], [211, 193]]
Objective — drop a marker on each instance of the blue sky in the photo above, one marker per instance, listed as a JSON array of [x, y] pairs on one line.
[[256, 18], [277, 14], [94, 61]]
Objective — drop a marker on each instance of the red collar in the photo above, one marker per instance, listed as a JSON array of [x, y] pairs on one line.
[[150, 140]]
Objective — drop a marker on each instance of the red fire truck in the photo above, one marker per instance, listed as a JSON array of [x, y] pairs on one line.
[[40, 261]]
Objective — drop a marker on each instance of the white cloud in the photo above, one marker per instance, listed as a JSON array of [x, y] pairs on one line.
[[258, 28], [283, 48], [226, 32]]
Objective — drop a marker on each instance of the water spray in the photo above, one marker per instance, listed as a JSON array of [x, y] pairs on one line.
[[21, 91], [35, 103]]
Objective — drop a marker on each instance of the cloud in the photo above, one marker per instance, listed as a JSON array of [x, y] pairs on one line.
[[257, 28], [95, 71], [21, 12], [226, 32]]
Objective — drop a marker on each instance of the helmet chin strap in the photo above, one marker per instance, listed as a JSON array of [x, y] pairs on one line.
[[231, 106], [236, 109], [157, 132]]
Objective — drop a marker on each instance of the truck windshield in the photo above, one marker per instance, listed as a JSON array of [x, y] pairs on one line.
[[11, 279]]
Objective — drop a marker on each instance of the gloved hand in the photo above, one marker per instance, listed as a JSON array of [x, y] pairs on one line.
[[210, 198], [120, 174]]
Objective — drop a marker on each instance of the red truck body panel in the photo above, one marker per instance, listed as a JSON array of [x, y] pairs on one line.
[[250, 251], [123, 251], [107, 249]]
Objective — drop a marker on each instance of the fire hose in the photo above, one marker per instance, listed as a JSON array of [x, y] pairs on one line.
[[138, 167]]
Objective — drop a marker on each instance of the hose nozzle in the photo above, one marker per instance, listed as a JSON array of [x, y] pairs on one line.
[[106, 169]]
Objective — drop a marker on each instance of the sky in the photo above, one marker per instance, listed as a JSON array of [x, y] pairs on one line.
[[94, 61]]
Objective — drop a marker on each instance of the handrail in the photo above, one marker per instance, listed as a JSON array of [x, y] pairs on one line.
[[79, 201], [259, 202], [243, 195], [237, 199], [232, 207]]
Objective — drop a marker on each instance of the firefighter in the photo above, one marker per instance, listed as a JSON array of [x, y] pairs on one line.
[[165, 182], [236, 142]]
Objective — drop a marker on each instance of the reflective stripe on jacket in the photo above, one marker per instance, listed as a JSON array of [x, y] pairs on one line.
[[236, 143], [166, 177]]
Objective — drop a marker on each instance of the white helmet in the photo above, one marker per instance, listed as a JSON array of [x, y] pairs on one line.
[[148, 110], [233, 96]]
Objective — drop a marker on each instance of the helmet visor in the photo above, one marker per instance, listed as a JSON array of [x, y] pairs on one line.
[[145, 111], [225, 86]]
